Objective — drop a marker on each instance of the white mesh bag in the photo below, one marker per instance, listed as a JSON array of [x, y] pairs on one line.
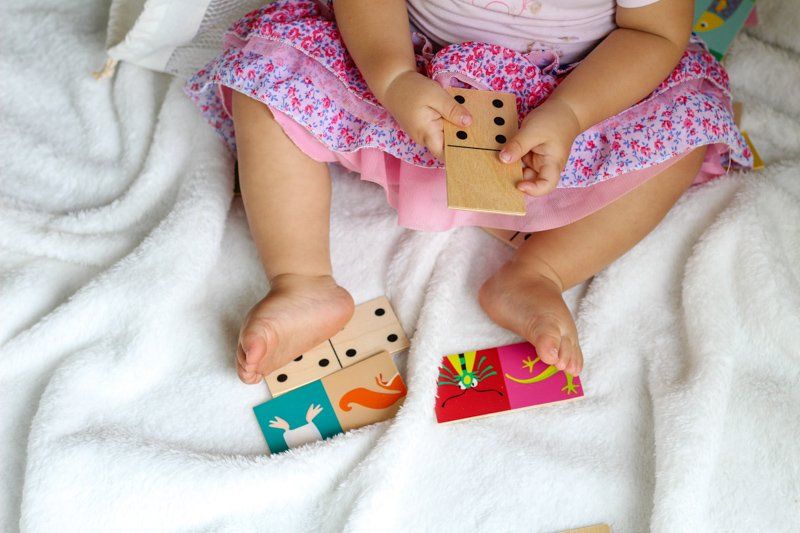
[[174, 36]]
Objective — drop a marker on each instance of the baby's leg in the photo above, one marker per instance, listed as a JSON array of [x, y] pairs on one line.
[[525, 294], [287, 197]]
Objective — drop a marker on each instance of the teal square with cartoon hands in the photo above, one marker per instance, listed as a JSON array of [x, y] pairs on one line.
[[297, 417]]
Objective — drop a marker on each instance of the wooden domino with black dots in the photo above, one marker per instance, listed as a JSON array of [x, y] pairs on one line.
[[476, 178], [597, 528], [512, 238], [372, 329]]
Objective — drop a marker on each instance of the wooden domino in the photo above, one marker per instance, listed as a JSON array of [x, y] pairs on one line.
[[373, 328], [512, 238], [738, 109], [361, 394], [305, 368], [486, 382], [597, 528], [476, 178], [758, 163]]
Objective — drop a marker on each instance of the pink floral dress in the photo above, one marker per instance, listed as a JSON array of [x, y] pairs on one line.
[[289, 55]]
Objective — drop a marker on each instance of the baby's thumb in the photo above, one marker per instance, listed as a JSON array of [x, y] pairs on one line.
[[451, 110]]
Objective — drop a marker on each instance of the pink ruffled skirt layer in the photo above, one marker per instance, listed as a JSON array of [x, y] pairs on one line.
[[289, 55]]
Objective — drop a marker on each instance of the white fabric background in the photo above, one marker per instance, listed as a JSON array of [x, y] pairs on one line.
[[147, 33], [125, 270], [175, 36]]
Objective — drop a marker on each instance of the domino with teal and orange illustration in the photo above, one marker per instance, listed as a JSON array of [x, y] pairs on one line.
[[486, 382], [369, 391]]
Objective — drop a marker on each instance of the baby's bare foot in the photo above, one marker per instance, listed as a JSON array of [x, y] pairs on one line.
[[521, 298], [297, 314]]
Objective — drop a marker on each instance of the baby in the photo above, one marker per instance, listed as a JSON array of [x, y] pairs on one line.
[[621, 110]]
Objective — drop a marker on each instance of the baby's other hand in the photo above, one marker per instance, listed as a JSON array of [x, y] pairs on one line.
[[420, 106], [543, 142]]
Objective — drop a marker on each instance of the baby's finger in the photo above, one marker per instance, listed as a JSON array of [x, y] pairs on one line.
[[520, 145], [544, 178], [535, 187], [529, 174], [527, 160], [451, 109], [433, 140], [550, 171]]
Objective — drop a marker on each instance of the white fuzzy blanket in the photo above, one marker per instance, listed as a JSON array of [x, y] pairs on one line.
[[125, 270]]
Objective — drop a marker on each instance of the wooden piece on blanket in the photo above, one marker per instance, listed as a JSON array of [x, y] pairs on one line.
[[369, 391], [364, 393], [486, 382], [373, 328], [303, 415], [738, 109], [476, 178], [237, 191], [512, 238], [597, 528], [305, 368], [758, 163]]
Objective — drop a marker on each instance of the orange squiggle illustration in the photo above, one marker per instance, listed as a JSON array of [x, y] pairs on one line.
[[375, 399]]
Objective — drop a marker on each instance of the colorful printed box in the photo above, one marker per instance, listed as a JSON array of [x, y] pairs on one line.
[[490, 381], [718, 21]]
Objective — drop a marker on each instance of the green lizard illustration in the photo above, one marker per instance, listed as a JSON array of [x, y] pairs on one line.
[[569, 388]]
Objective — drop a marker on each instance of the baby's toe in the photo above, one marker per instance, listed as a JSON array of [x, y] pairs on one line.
[[546, 338], [572, 357], [246, 376], [254, 341], [565, 355], [575, 364], [247, 373]]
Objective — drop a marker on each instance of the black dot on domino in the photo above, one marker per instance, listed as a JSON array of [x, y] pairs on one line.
[[299, 357], [323, 362], [497, 103], [380, 311], [282, 377], [499, 121], [350, 353], [391, 338], [461, 134], [500, 138], [459, 98]]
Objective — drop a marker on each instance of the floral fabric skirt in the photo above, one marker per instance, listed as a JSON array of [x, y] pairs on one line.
[[290, 56]]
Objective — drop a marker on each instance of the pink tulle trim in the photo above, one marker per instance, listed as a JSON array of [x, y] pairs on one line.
[[406, 186]]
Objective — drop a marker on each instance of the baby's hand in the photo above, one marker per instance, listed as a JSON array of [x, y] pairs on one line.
[[543, 142], [420, 106]]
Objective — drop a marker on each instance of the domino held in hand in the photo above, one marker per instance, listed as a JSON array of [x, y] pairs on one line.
[[476, 178]]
